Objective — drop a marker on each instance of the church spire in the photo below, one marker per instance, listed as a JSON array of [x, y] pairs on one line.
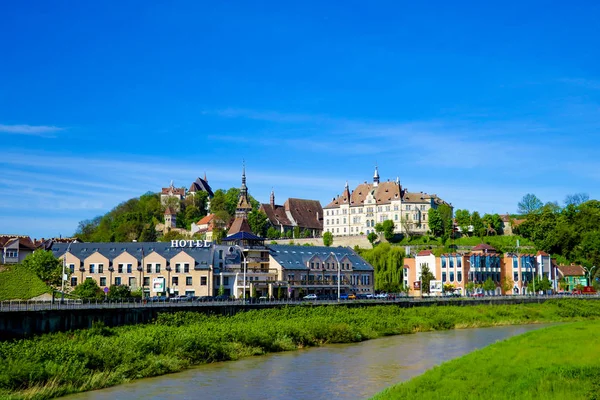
[[272, 198], [243, 205], [376, 177]]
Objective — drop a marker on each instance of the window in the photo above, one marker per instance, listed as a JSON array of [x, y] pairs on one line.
[[72, 268], [312, 265], [103, 281], [131, 282], [175, 280], [11, 253], [451, 276], [157, 268], [459, 276], [516, 277], [408, 207], [443, 277], [73, 281], [120, 268], [148, 268], [128, 268], [188, 280], [177, 268], [226, 280], [117, 280], [451, 262], [186, 268], [203, 280], [100, 268], [92, 268], [146, 281]]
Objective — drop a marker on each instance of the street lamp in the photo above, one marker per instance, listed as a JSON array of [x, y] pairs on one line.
[[244, 267], [62, 278], [338, 278], [589, 271]]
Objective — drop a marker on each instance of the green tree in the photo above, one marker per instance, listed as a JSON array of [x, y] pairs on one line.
[[540, 285], [507, 284], [436, 225], [372, 237], [529, 204], [305, 233], [388, 264], [445, 212], [296, 232], [47, 267], [470, 287], [258, 222], [148, 234], [489, 285], [477, 222], [492, 224], [388, 230], [327, 239], [463, 220], [273, 233], [576, 199], [426, 277], [119, 292], [88, 290]]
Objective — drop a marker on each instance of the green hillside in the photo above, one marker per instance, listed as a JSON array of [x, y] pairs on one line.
[[16, 282]]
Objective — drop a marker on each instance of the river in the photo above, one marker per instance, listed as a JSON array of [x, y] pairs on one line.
[[345, 371]]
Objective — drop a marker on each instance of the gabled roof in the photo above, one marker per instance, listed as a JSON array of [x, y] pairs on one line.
[[24, 241], [306, 213], [206, 219], [276, 214], [201, 185], [296, 257], [571, 270], [542, 253], [169, 211], [173, 190]]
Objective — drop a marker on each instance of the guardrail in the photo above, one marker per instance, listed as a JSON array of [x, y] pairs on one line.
[[38, 305]]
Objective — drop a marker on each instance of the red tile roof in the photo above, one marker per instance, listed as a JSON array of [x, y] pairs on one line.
[[483, 247], [425, 253], [542, 253], [169, 211], [571, 270], [239, 225]]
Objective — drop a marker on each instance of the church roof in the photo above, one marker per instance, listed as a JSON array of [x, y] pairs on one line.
[[201, 185]]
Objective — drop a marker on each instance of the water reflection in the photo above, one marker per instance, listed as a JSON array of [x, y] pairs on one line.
[[349, 371]]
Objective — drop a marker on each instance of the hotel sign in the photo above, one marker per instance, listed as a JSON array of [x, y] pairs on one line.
[[417, 285], [189, 243]]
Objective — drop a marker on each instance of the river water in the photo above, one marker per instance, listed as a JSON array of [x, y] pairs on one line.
[[346, 371]]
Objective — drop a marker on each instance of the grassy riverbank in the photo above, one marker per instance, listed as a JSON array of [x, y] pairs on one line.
[[561, 362], [56, 364]]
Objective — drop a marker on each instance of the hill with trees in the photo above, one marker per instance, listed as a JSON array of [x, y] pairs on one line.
[[136, 219]]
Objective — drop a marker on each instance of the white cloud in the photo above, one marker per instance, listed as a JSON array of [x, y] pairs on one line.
[[30, 130]]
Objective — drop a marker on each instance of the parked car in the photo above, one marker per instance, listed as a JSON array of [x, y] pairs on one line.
[[310, 297], [181, 298], [221, 297], [204, 298], [369, 295], [344, 296], [155, 299], [381, 296], [351, 296]]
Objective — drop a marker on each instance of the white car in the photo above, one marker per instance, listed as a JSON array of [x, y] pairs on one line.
[[381, 296], [310, 297]]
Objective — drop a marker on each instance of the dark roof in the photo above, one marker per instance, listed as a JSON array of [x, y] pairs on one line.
[[169, 211], [242, 236], [297, 257], [201, 185], [276, 214], [202, 255], [571, 270]]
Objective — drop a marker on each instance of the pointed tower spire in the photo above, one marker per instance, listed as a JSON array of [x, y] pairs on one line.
[[243, 205], [346, 195], [376, 177], [205, 180], [272, 198]]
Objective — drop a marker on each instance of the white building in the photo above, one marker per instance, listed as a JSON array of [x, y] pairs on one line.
[[357, 212]]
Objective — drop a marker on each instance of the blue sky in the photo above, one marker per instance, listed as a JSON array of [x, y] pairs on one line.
[[478, 103]]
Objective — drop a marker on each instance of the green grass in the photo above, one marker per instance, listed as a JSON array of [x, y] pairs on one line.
[[57, 364], [561, 362], [19, 283]]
